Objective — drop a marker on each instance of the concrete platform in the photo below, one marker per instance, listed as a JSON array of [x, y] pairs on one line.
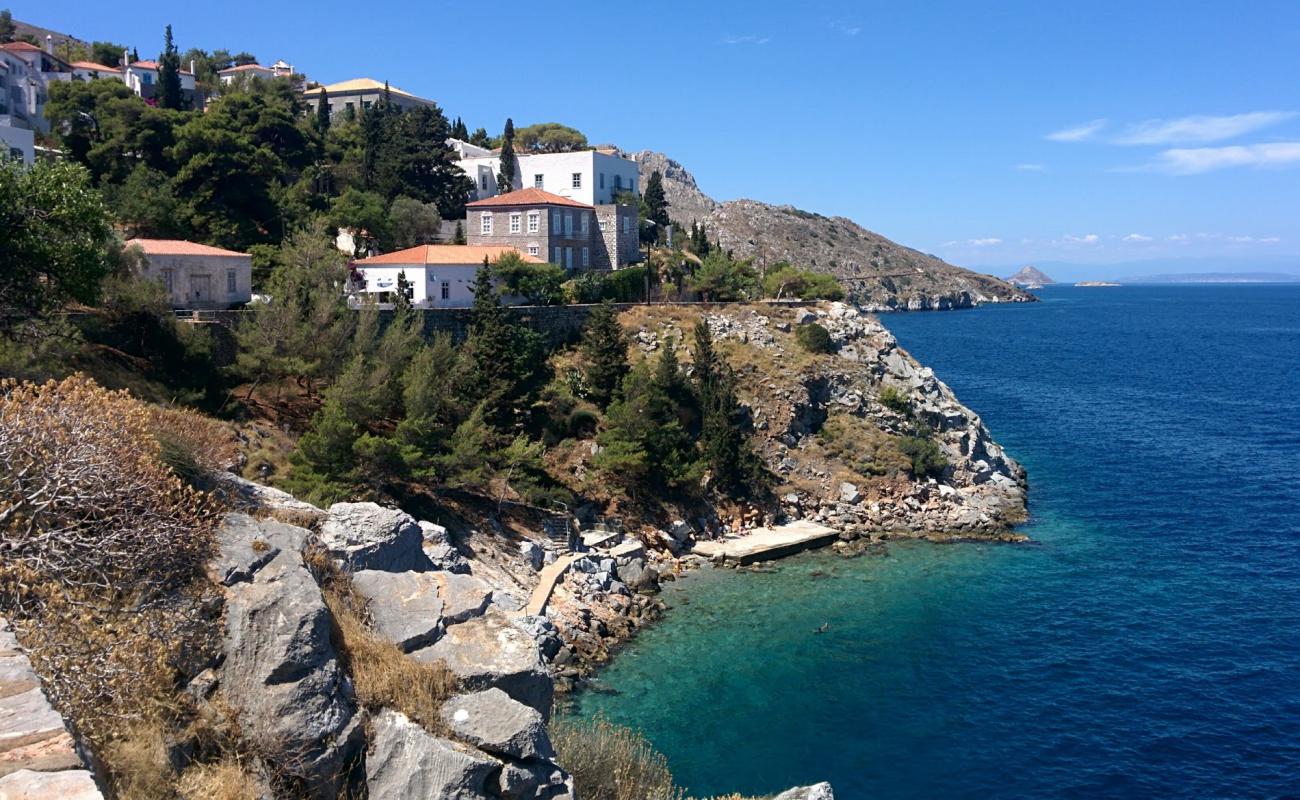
[[763, 544]]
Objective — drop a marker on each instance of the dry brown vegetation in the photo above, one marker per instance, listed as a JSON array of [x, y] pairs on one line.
[[610, 762], [861, 447], [383, 676], [191, 443], [227, 779]]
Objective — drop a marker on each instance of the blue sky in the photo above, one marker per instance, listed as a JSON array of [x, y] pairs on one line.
[[989, 133]]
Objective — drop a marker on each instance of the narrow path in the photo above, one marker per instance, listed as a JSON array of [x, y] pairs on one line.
[[550, 575]]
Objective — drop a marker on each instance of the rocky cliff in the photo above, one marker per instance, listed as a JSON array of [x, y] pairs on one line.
[[1030, 277], [879, 274]]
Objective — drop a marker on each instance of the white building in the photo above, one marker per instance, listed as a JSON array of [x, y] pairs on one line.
[[30, 71], [90, 71], [17, 143], [591, 177], [196, 275], [232, 74], [142, 78], [349, 98], [439, 275]]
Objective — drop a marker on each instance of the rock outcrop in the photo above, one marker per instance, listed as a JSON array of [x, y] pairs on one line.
[[879, 274], [497, 723], [405, 761], [820, 791], [492, 652], [1030, 278], [281, 673], [369, 536]]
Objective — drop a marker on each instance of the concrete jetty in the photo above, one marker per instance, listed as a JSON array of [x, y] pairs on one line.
[[762, 544]]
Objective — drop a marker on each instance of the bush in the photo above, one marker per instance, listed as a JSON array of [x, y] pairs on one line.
[[895, 400], [87, 500], [814, 338], [609, 762], [539, 284], [192, 444], [784, 281], [925, 456]]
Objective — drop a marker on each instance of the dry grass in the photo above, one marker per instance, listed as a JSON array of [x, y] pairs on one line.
[[138, 762], [384, 676], [227, 779], [862, 448], [609, 762], [191, 443]]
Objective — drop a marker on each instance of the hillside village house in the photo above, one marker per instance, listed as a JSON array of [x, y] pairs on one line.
[[142, 78], [563, 231], [439, 275], [280, 69], [197, 276], [17, 140], [593, 177], [29, 71], [359, 94]]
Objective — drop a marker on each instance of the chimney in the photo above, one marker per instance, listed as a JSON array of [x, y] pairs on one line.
[[191, 66], [126, 59], [49, 44]]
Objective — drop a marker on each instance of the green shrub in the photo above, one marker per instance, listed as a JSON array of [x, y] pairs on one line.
[[925, 455], [814, 338], [582, 423], [895, 400], [784, 281]]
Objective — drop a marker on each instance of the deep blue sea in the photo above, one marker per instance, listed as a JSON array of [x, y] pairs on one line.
[[1148, 644]]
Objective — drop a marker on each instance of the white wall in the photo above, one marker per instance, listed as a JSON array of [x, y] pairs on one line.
[[426, 283], [598, 172], [18, 139]]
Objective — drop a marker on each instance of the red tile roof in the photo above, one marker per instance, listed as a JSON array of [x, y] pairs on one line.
[[91, 65], [444, 254], [244, 68], [180, 247], [20, 46], [526, 197], [155, 66]]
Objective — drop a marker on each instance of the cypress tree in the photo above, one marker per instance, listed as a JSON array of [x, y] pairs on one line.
[[604, 345], [493, 349], [323, 112], [459, 131], [655, 201], [459, 236], [169, 74], [402, 302], [506, 177], [725, 444]]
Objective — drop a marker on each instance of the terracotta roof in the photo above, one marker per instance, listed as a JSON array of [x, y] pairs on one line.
[[180, 247], [526, 197], [444, 254], [244, 68], [91, 65], [155, 66], [20, 46], [363, 85]]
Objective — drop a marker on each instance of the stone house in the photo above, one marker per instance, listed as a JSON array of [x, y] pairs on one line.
[[593, 177], [563, 231], [438, 275], [359, 94], [197, 276]]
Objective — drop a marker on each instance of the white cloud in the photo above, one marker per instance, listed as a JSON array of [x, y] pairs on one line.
[[1089, 238], [989, 242], [1137, 237], [1078, 133], [1254, 239], [745, 39], [1177, 237], [1030, 167], [847, 28], [1201, 129], [1194, 160]]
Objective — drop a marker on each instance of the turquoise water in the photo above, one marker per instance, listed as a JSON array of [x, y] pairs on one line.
[[1148, 644]]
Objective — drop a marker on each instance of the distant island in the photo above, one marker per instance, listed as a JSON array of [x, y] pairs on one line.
[[1218, 277], [1030, 277], [1096, 283]]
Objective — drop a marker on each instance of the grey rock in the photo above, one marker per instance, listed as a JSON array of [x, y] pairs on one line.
[[369, 536], [26, 784], [494, 722], [463, 597], [283, 677], [544, 633], [804, 317], [406, 762], [533, 555], [489, 652], [245, 545], [638, 575], [849, 493], [820, 791], [245, 494], [441, 550], [534, 780], [405, 607], [681, 530]]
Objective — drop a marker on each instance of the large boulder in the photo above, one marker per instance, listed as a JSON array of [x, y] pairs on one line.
[[494, 722], [820, 791], [534, 780], [406, 762], [245, 545], [284, 679], [463, 597], [404, 607], [441, 550], [72, 784], [489, 652], [369, 536], [638, 575]]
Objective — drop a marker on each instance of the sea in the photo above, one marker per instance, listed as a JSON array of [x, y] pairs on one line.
[[1145, 645]]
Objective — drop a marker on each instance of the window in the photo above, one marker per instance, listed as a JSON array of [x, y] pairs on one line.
[[586, 257], [555, 255], [568, 223], [555, 222], [482, 181], [627, 224], [230, 281], [602, 180], [533, 250], [534, 221], [147, 79], [568, 258], [446, 290], [537, 181], [485, 223], [601, 222], [516, 222], [582, 217], [577, 180], [618, 182], [168, 280]]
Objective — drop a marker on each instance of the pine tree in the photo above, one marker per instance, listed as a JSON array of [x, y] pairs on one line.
[[493, 347], [387, 100], [506, 177], [459, 131], [604, 345], [323, 112], [723, 440], [655, 201], [459, 236], [169, 74]]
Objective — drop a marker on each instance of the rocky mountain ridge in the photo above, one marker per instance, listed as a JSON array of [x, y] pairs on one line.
[[877, 273], [1030, 277]]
